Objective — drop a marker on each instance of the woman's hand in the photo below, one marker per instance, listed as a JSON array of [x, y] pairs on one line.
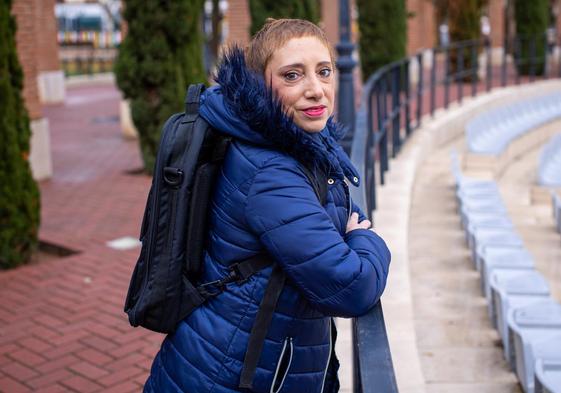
[[353, 223]]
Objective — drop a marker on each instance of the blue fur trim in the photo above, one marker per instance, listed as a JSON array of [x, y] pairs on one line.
[[246, 93]]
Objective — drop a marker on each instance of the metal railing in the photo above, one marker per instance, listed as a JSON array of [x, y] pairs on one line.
[[394, 100]]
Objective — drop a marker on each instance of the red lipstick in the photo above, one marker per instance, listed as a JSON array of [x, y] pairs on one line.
[[315, 111]]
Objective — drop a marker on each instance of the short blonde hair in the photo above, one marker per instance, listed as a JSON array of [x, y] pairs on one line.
[[274, 34]]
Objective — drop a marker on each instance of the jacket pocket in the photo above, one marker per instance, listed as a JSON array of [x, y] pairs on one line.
[[283, 365]]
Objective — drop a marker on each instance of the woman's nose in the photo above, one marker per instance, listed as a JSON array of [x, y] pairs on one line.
[[313, 88]]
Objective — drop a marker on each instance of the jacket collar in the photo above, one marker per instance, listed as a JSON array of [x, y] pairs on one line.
[[243, 106]]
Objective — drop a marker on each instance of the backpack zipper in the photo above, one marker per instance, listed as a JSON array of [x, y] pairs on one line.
[[155, 201], [172, 215], [328, 357]]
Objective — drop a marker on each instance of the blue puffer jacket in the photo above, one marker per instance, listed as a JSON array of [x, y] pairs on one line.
[[264, 202]]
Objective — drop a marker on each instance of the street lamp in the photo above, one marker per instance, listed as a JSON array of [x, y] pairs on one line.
[[345, 65]]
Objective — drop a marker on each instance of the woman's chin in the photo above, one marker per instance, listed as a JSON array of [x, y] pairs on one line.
[[312, 125]]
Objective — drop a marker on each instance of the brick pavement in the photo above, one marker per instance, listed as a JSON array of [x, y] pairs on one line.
[[62, 326]]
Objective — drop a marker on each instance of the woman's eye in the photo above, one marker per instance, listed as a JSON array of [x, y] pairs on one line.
[[325, 72], [291, 76]]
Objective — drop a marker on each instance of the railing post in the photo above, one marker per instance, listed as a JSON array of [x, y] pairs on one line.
[[446, 76], [517, 59], [433, 83], [557, 42], [407, 100], [489, 73], [383, 129], [370, 159], [545, 57], [532, 45], [460, 72], [474, 68], [420, 89], [559, 59], [503, 66], [346, 64], [395, 113]]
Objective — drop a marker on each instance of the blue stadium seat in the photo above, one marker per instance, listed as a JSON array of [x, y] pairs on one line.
[[501, 257], [548, 374], [510, 291], [485, 237], [536, 333]]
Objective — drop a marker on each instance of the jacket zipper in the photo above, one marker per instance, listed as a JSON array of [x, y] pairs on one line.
[[350, 203], [328, 357], [287, 342]]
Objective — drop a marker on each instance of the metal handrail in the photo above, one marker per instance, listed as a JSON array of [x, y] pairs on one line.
[[383, 123]]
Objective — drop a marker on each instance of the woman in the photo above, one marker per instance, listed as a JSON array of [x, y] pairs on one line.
[[276, 101]]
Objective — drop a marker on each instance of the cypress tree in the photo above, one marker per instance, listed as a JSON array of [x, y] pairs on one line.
[[19, 194], [464, 23], [531, 24], [464, 19], [260, 10], [383, 33], [160, 56]]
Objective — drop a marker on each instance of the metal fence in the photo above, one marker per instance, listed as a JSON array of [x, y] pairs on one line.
[[394, 100]]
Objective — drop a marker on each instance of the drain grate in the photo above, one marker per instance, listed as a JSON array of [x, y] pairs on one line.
[[105, 120]]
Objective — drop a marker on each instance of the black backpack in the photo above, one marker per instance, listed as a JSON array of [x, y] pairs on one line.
[[165, 287]]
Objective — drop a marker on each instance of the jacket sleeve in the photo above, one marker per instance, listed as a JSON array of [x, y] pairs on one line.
[[339, 276]]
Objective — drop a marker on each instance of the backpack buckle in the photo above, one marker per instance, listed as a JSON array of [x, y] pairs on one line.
[[236, 274], [212, 288]]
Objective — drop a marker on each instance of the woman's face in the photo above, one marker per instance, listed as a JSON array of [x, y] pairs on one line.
[[301, 75]]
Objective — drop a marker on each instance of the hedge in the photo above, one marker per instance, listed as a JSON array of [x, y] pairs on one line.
[[19, 194], [159, 57]]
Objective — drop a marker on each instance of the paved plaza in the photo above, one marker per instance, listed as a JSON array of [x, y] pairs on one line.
[[62, 325]]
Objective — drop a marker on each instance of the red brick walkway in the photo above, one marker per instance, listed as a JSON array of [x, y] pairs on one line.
[[62, 325]]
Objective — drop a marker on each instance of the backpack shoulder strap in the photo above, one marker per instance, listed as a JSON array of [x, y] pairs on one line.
[[185, 129], [192, 99], [261, 326], [319, 183]]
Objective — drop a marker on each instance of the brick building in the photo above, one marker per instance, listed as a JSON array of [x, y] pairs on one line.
[[43, 80], [421, 25]]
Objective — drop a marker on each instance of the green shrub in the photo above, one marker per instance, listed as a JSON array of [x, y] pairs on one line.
[[260, 10], [19, 194], [531, 24], [160, 56], [383, 33]]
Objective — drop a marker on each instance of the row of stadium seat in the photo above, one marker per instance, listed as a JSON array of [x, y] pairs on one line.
[[549, 167], [518, 297], [492, 131]]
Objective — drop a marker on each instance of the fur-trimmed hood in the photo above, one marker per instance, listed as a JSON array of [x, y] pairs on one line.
[[241, 105]]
